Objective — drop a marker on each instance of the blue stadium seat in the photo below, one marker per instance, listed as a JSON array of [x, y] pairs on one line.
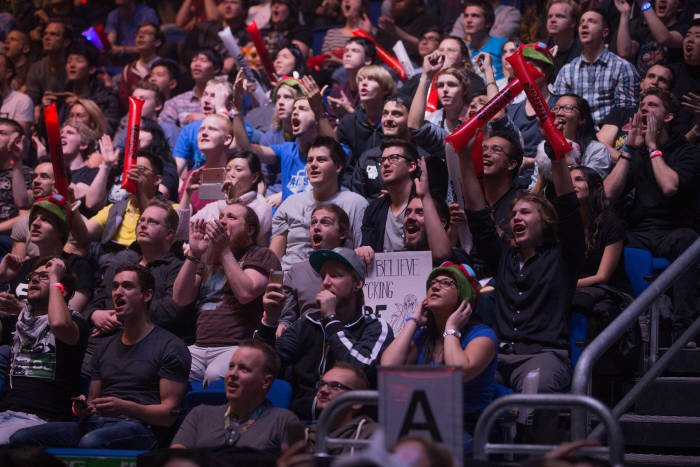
[[280, 394], [638, 263], [578, 329]]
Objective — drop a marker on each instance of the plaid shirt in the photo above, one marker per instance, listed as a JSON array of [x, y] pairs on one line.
[[609, 81], [176, 109]]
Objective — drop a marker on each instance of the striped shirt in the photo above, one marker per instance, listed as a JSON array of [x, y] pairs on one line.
[[607, 82], [177, 109]]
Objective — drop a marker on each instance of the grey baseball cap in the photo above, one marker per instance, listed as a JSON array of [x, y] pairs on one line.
[[346, 256]]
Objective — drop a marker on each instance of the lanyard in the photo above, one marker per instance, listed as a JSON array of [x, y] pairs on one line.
[[235, 428]]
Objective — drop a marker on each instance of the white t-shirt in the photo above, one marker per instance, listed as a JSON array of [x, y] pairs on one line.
[[17, 106]]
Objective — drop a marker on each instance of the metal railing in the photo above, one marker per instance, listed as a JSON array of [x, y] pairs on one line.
[[581, 383], [482, 448], [323, 442]]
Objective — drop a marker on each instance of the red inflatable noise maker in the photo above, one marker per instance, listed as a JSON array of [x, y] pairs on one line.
[[385, 56], [544, 116], [132, 142]]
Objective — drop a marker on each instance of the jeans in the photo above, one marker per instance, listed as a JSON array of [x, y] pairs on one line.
[[210, 363], [93, 432]]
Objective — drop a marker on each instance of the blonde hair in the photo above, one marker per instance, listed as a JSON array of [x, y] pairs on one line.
[[276, 124], [97, 122], [460, 74], [379, 74], [87, 134], [228, 127]]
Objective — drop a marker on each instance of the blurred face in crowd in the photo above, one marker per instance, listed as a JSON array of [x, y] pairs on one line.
[[213, 134], [653, 105], [509, 49], [320, 167], [151, 107], [370, 89], [354, 56], [394, 119], [475, 20], [239, 176], [580, 184], [285, 102], [152, 180], [403, 10], [42, 230], [666, 10], [42, 180], [657, 76], [202, 68], [160, 76], [70, 141], [145, 39], [452, 52], [303, 118], [395, 167], [351, 7], [335, 382], [566, 116], [78, 68], [691, 46], [8, 135], [231, 9], [476, 104], [560, 19], [78, 112], [340, 280], [450, 91], [592, 30], [324, 231], [145, 139], [233, 217], [442, 293], [4, 70], [428, 43], [526, 224], [246, 378], [279, 12], [52, 39], [127, 296], [284, 63], [496, 152], [215, 97], [16, 44], [414, 226], [152, 229]]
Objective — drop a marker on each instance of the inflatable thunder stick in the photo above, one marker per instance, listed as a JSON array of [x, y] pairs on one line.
[[53, 134], [383, 54], [132, 142], [259, 44], [544, 116], [315, 62], [235, 51]]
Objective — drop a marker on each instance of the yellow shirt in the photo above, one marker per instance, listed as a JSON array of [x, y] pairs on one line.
[[126, 232]]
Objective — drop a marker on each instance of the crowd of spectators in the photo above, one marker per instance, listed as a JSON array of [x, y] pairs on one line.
[[257, 203]]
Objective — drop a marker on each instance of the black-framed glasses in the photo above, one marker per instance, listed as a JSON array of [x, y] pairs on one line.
[[392, 158], [333, 386], [41, 276], [567, 109], [444, 283]]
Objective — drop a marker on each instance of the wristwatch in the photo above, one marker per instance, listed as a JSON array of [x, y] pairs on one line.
[[645, 6], [452, 332]]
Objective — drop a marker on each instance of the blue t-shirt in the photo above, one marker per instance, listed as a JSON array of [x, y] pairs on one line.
[[186, 144], [293, 165], [492, 47], [480, 391], [125, 28]]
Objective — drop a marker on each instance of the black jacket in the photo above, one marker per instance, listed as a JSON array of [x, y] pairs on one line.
[[356, 133], [311, 347]]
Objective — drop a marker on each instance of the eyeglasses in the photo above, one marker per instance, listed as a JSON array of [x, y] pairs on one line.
[[143, 169], [444, 283], [41, 276], [495, 149], [391, 158], [333, 386], [567, 109]]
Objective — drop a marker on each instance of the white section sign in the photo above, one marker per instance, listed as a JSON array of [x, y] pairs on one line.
[[425, 401], [396, 285]]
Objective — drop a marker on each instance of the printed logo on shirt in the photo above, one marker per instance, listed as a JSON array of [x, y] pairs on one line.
[[299, 182], [37, 361], [372, 172]]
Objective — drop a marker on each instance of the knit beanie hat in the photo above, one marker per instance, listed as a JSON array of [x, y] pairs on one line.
[[59, 208], [467, 285], [291, 82], [539, 52]]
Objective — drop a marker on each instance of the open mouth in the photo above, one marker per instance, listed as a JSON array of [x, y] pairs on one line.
[[316, 239], [411, 228], [519, 229], [296, 124], [119, 303]]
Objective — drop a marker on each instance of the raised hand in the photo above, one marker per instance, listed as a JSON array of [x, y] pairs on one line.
[[420, 313], [422, 184], [634, 136], [110, 156], [651, 136], [56, 269], [460, 317], [198, 238], [314, 95], [218, 236], [432, 63]]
